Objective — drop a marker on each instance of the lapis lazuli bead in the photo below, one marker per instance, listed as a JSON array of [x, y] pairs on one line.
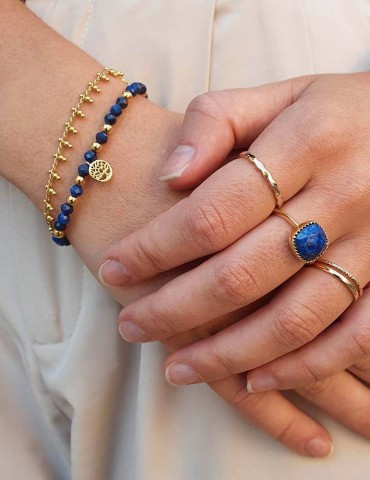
[[63, 219], [116, 110], [101, 137], [110, 119], [310, 242], [122, 102], [83, 170], [138, 87], [62, 242], [90, 156], [76, 190], [66, 209], [132, 89], [142, 88], [60, 226]]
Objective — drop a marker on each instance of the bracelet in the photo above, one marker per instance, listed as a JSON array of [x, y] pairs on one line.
[[64, 143], [98, 169]]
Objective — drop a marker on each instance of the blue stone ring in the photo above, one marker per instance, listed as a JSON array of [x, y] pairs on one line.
[[308, 240]]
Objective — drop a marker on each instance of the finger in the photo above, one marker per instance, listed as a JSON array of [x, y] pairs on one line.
[[251, 267], [343, 344], [277, 416], [227, 205], [297, 314], [362, 369], [217, 122], [344, 398]]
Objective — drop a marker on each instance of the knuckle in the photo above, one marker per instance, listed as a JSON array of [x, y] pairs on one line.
[[315, 389], [359, 342], [223, 362], [208, 224], [235, 284], [294, 327], [243, 400], [148, 256], [287, 432], [207, 105]]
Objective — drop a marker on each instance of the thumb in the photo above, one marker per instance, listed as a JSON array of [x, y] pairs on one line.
[[218, 122]]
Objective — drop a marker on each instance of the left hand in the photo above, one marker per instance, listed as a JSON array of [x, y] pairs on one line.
[[312, 133]]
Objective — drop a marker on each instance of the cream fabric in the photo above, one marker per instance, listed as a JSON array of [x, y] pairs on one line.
[[76, 402]]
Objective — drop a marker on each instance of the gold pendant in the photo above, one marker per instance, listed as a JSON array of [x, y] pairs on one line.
[[100, 170]]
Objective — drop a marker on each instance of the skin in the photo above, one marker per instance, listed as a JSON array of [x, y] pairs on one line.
[[135, 197]]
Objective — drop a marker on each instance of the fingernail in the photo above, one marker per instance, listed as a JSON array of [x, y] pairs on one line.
[[113, 274], [131, 332], [177, 163], [320, 447], [181, 374], [261, 383]]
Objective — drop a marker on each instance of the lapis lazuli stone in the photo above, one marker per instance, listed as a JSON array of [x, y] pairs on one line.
[[63, 219], [122, 102], [115, 110], [76, 190], [310, 242], [59, 226], [83, 170], [90, 156], [110, 119], [101, 137], [66, 209], [62, 242], [132, 89]]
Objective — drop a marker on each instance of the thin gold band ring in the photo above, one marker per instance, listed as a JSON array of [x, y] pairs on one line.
[[273, 185], [342, 275]]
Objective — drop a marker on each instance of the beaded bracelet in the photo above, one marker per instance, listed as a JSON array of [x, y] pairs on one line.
[[98, 169]]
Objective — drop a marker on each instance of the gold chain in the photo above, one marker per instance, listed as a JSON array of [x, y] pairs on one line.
[[64, 143]]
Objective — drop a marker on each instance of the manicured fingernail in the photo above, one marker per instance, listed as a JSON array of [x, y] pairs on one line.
[[319, 447], [113, 274], [177, 163], [181, 374], [131, 332], [261, 383]]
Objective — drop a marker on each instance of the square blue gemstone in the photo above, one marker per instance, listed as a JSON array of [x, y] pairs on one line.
[[310, 242]]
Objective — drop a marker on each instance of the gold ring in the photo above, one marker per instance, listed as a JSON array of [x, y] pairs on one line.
[[308, 241], [273, 185], [349, 280]]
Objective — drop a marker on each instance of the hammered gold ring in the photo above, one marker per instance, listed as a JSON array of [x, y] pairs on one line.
[[273, 185], [346, 278]]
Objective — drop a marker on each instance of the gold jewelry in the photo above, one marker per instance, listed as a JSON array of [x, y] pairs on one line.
[[273, 185], [308, 241], [342, 275], [344, 272], [64, 143]]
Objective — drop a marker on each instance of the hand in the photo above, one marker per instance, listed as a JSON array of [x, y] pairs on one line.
[[304, 121]]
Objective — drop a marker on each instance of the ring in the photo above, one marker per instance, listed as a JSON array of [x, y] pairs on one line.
[[273, 185], [349, 280], [342, 275], [308, 240]]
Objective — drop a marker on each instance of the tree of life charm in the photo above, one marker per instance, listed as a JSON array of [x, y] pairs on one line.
[[100, 170]]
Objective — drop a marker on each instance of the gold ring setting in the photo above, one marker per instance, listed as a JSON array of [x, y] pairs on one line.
[[308, 241], [273, 185], [346, 278]]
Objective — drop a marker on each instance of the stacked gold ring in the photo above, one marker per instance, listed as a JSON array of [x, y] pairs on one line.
[[273, 185], [346, 278]]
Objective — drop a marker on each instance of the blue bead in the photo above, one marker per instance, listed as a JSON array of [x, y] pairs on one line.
[[66, 209], [76, 190], [101, 137], [138, 87], [132, 89], [122, 102], [142, 89], [310, 242], [83, 170], [90, 156], [60, 226], [110, 119], [62, 242], [63, 219], [116, 110]]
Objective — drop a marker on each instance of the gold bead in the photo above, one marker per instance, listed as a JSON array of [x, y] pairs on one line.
[[58, 233], [70, 128], [79, 180], [71, 200], [51, 191], [48, 207], [49, 218], [105, 77], [58, 156], [96, 88], [65, 143], [78, 112], [96, 147], [127, 95], [107, 128], [86, 98]]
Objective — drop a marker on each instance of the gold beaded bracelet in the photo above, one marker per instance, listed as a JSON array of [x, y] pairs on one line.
[[64, 143]]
